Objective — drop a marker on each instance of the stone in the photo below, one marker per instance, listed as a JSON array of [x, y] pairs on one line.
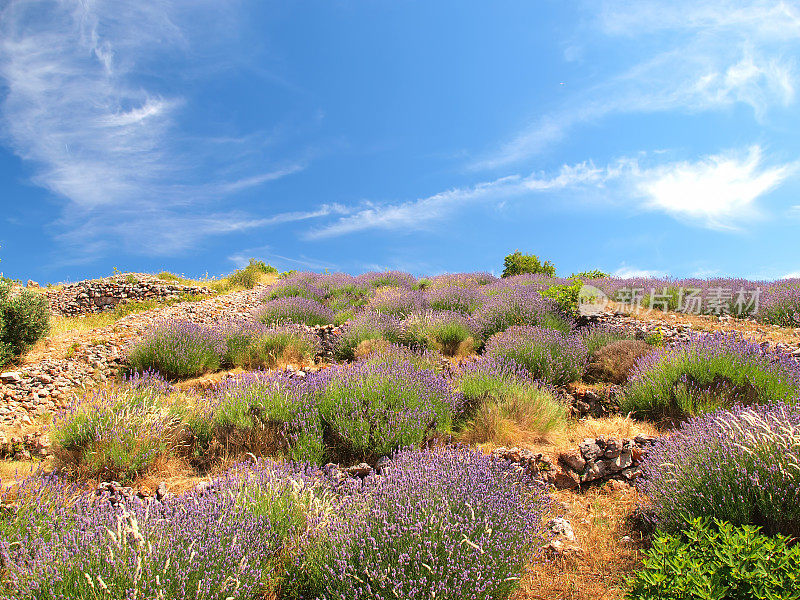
[[573, 459], [360, 470], [562, 528], [590, 450], [10, 377]]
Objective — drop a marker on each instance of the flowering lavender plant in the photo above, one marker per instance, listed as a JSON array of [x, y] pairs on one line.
[[448, 524], [302, 285], [709, 372], [740, 465], [387, 279], [397, 302], [295, 309], [178, 349], [119, 433], [224, 541], [270, 414], [519, 306], [455, 298], [373, 408], [549, 355]]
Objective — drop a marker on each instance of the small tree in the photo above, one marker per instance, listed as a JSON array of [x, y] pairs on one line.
[[24, 319], [518, 263]]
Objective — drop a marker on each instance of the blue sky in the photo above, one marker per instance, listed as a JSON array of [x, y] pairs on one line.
[[636, 137]]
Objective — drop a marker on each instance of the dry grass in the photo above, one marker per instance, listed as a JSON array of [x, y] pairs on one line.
[[12, 471], [522, 417], [595, 572]]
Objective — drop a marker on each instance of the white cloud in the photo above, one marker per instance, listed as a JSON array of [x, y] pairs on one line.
[[793, 275], [691, 57], [718, 192], [629, 272], [85, 106]]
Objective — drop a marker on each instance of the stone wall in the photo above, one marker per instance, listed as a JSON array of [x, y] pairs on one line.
[[97, 295]]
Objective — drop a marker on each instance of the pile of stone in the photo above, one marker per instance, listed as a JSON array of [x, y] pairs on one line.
[[593, 402], [595, 460], [24, 446], [601, 459], [97, 295]]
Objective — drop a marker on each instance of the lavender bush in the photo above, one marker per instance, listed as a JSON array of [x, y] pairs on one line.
[[549, 355], [519, 306], [178, 349], [449, 524], [740, 465], [397, 302], [455, 298], [226, 541], [713, 371], [371, 409], [295, 309], [387, 279], [299, 285], [254, 345], [267, 414]]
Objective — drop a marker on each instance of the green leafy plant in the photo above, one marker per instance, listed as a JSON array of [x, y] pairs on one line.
[[24, 319], [518, 263], [713, 560], [565, 295], [593, 274]]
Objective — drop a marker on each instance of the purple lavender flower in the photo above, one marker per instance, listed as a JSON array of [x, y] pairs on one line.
[[547, 354], [448, 524], [295, 309], [740, 465]]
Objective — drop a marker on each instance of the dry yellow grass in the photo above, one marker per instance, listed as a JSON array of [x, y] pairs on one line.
[[609, 549]]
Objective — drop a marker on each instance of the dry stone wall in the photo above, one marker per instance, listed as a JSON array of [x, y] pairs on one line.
[[97, 295]]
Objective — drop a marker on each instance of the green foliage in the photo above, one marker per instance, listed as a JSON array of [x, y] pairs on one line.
[[268, 349], [593, 274], [715, 371], [566, 296], [518, 263], [251, 274], [713, 560], [655, 338], [117, 436], [24, 319]]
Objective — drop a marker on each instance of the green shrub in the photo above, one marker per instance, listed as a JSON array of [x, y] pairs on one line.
[[518, 263], [24, 319], [270, 348], [713, 560], [249, 276], [566, 296], [593, 274], [267, 415]]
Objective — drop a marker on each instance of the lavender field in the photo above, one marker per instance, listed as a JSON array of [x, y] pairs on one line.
[[350, 447]]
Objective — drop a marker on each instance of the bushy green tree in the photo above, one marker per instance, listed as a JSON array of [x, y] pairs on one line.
[[519, 263], [24, 319]]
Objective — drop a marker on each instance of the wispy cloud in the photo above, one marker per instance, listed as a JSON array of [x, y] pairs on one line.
[[627, 271], [691, 57], [85, 106], [717, 192]]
